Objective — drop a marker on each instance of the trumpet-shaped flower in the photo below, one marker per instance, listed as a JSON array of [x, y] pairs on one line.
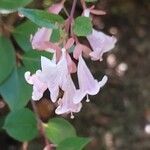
[[54, 74], [66, 104], [100, 44], [87, 83], [39, 86], [41, 37]]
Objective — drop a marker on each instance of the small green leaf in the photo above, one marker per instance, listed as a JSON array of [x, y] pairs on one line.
[[58, 129], [13, 4], [22, 34], [32, 60], [55, 37], [7, 60], [73, 143], [15, 91], [21, 125], [42, 18], [82, 26]]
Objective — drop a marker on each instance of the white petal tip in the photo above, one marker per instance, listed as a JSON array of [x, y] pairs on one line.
[[35, 98], [27, 76], [103, 81], [105, 78]]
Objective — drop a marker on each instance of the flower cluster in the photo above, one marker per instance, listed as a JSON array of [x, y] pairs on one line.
[[55, 74]]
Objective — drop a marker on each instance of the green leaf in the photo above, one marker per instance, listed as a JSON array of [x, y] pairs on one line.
[[7, 60], [55, 37], [73, 143], [13, 4], [42, 18], [32, 60], [90, 1], [58, 129], [21, 125], [82, 26], [22, 34], [15, 91]]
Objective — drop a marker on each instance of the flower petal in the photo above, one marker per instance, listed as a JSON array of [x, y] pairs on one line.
[[69, 43], [71, 65], [56, 8], [79, 48], [41, 36], [66, 104], [87, 83], [100, 44], [39, 86]]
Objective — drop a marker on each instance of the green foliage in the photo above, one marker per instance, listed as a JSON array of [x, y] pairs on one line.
[[15, 91], [22, 34], [55, 37], [21, 125], [42, 18], [58, 129], [7, 60], [73, 143], [32, 60], [13, 4], [82, 26]]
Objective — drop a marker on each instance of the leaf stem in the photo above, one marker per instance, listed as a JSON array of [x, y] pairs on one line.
[[70, 19], [83, 4], [40, 124]]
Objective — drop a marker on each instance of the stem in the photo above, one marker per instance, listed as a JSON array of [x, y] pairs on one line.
[[83, 4], [71, 15], [40, 124], [66, 12], [25, 146]]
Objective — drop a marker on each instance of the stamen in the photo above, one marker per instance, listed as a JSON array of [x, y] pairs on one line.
[[87, 98], [72, 116]]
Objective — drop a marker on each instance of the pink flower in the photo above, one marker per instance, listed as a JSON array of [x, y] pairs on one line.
[[39, 86], [100, 43], [93, 11], [40, 39], [56, 8], [66, 104], [81, 49], [87, 83], [54, 74]]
